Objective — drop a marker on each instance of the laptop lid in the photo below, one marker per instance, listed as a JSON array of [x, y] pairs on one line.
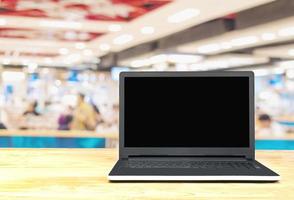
[[186, 114]]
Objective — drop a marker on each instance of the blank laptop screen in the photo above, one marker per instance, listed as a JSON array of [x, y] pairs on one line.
[[186, 112]]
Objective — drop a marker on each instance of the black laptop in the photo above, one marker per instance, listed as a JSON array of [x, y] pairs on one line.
[[187, 126]]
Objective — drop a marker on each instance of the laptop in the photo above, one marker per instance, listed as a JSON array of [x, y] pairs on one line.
[[187, 126]]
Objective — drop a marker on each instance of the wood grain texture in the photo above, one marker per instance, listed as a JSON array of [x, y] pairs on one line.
[[75, 174]]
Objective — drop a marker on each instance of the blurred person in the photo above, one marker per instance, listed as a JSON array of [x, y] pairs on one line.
[[111, 116], [32, 109], [28, 118], [47, 106], [98, 116], [115, 116], [2, 126], [65, 119], [267, 127], [113, 126], [84, 117]]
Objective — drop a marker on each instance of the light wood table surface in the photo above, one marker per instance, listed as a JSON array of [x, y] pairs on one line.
[[71, 174]]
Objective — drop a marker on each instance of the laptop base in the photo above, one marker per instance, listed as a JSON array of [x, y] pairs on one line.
[[122, 172]]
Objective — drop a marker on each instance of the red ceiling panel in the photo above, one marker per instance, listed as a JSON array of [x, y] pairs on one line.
[[106, 10]]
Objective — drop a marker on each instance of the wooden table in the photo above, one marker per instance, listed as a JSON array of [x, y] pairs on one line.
[[71, 174]]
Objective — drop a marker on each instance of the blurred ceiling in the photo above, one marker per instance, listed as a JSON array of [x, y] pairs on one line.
[[67, 33]]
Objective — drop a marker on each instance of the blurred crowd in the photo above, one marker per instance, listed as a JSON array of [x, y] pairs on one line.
[[85, 115], [267, 126]]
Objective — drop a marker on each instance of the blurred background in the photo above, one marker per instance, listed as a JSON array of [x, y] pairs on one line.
[[60, 61]]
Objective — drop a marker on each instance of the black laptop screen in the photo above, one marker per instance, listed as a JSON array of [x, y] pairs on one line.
[[186, 112]]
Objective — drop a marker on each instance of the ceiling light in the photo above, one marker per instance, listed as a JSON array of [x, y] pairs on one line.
[[6, 61], [57, 82], [291, 52], [290, 73], [104, 47], [261, 72], [140, 63], [182, 67], [158, 59], [183, 15], [197, 67], [114, 27], [45, 71], [164, 58], [32, 67], [12, 76], [268, 36], [183, 58], [3, 22], [25, 62], [60, 24], [87, 52], [209, 65], [80, 45], [160, 67], [286, 32], [70, 35], [67, 61], [244, 41], [278, 70], [48, 60], [286, 64], [84, 36], [74, 57], [226, 45], [240, 61], [208, 48], [225, 61], [147, 30], [123, 39], [63, 51]]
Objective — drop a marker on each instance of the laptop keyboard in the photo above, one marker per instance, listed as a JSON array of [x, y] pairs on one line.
[[192, 164]]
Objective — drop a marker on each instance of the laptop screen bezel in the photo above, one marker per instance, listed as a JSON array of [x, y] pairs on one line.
[[125, 152]]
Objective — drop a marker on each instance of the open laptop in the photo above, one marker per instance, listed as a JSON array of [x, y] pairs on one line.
[[187, 126]]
